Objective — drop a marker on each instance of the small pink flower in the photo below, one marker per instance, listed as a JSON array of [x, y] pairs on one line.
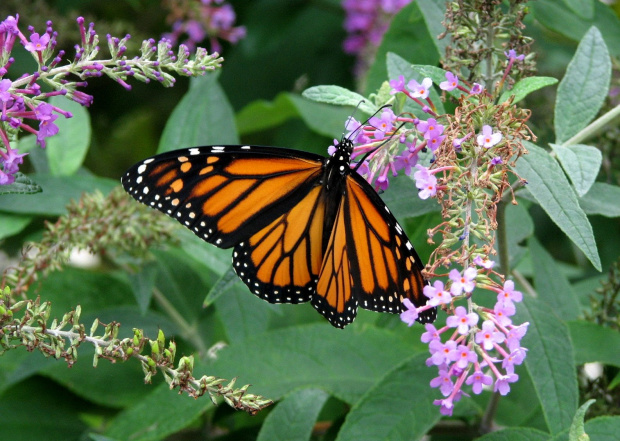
[[37, 43], [451, 83], [420, 90], [487, 138]]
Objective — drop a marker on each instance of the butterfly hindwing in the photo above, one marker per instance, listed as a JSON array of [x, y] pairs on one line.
[[335, 299], [280, 263], [385, 266]]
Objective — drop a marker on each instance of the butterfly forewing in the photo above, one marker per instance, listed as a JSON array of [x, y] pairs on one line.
[[385, 266], [224, 194]]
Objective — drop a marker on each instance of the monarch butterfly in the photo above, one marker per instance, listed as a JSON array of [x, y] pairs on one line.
[[304, 227]]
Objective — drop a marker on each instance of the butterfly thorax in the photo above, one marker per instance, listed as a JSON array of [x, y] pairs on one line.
[[337, 167]]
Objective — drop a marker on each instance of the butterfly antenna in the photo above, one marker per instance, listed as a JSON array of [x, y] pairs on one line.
[[367, 120], [361, 161]]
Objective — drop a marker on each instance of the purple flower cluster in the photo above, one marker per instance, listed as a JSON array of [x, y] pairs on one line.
[[21, 99], [389, 143], [202, 19], [366, 21], [478, 356], [22, 105]]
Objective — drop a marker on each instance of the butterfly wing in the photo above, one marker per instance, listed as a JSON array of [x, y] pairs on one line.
[[224, 194], [280, 263], [369, 261]]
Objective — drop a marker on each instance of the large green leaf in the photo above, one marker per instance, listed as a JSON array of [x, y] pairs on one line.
[[583, 8], [345, 363], [294, 417], [581, 163], [398, 407], [37, 410], [550, 363], [583, 89], [549, 186], [262, 114], [161, 413], [554, 14], [242, 313], [339, 96], [203, 117], [604, 428], [603, 199], [56, 193], [526, 86], [67, 149], [551, 285], [519, 226]]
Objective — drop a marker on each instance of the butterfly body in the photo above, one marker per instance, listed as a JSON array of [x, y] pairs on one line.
[[303, 227]]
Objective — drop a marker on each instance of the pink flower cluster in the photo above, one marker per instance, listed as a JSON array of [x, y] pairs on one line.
[[212, 19], [374, 140], [478, 356]]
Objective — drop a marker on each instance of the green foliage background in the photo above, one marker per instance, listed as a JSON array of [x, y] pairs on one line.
[[368, 381]]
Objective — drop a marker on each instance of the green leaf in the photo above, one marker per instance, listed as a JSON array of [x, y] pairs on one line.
[[56, 194], [22, 185], [434, 12], [92, 383], [604, 428], [262, 114], [552, 287], [550, 363], [11, 224], [583, 8], [581, 163], [324, 119], [242, 313], [223, 284], [344, 363], [38, 410], [404, 395], [603, 199], [67, 149], [407, 35], [520, 226], [587, 338], [294, 417], [403, 200], [515, 434], [526, 86], [142, 284], [549, 186], [203, 117], [339, 96], [397, 65], [161, 413], [577, 432], [554, 14], [583, 89]]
